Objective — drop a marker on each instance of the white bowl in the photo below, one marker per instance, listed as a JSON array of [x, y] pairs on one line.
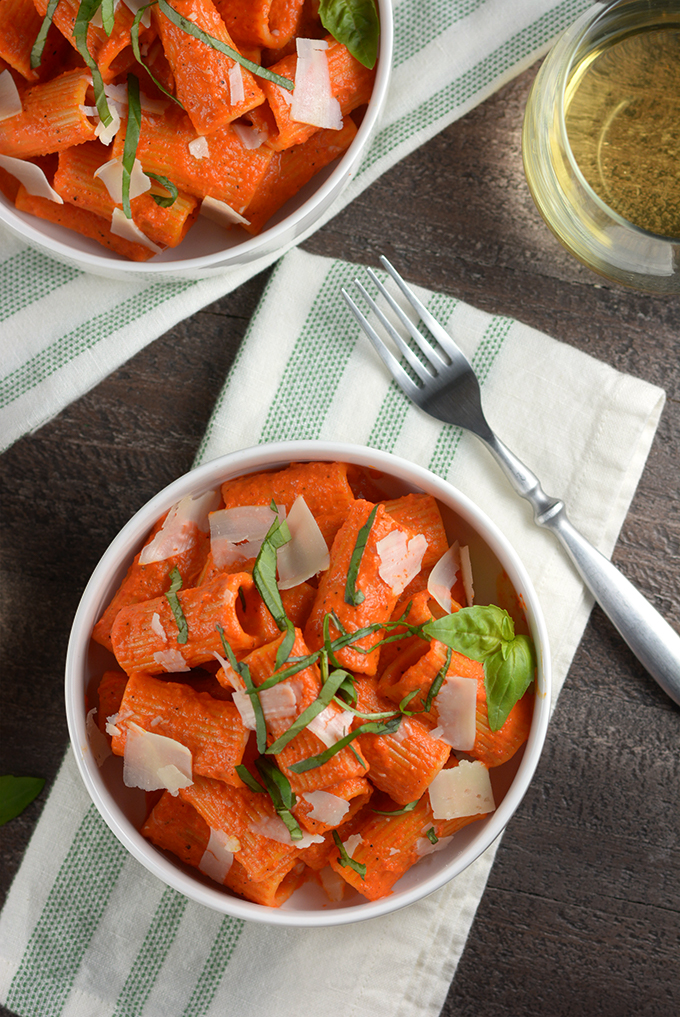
[[123, 809], [208, 249]]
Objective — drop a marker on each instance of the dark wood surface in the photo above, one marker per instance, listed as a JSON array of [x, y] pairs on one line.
[[581, 913]]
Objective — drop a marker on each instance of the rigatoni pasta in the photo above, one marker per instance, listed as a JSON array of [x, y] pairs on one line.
[[291, 721]]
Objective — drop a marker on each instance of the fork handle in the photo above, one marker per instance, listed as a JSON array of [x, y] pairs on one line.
[[647, 633]]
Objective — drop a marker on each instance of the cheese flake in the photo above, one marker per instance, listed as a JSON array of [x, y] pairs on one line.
[[171, 660], [154, 762], [327, 808], [424, 846], [236, 534], [32, 177], [199, 148], [221, 213], [178, 532], [463, 790], [331, 725], [10, 100], [236, 90], [99, 747], [275, 829], [306, 553], [313, 99], [123, 227], [279, 703], [456, 704], [400, 559], [218, 856]]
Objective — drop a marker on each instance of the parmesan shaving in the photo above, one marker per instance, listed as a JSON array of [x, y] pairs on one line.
[[99, 747], [313, 100], [32, 177], [456, 704], [333, 884], [218, 856], [279, 703], [306, 553], [111, 175], [275, 829], [326, 807], [424, 846], [154, 762], [443, 576], [352, 843], [237, 533], [123, 227], [249, 137], [157, 627], [463, 790], [466, 569], [199, 147], [177, 533], [236, 90], [221, 213], [231, 676], [171, 660], [400, 560], [10, 100], [107, 132], [135, 6], [331, 725]]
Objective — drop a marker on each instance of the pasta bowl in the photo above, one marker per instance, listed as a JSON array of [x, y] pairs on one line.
[[208, 248], [499, 578]]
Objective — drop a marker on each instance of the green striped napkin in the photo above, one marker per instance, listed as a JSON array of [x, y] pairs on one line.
[[62, 331], [86, 931]]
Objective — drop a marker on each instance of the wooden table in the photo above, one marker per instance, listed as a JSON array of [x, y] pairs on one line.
[[582, 907]]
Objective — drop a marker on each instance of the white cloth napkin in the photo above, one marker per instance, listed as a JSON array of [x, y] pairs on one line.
[[62, 331], [86, 931]]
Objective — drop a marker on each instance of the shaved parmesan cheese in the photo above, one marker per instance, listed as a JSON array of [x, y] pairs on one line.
[[424, 845], [456, 704], [326, 807], [31, 176], [236, 90], [107, 132], [111, 175], [157, 627], [352, 843], [306, 553], [230, 675], [249, 137], [463, 790], [466, 569], [112, 728], [400, 560], [10, 100], [313, 101], [171, 660], [275, 829], [331, 725], [99, 747], [152, 761], [125, 228], [279, 703], [135, 6], [221, 213], [443, 576], [199, 148], [333, 884], [177, 532], [218, 856], [237, 533]]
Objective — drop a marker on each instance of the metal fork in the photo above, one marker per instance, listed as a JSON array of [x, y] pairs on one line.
[[448, 389]]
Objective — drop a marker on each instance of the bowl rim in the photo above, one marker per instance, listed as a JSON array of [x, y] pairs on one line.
[[271, 239], [203, 478]]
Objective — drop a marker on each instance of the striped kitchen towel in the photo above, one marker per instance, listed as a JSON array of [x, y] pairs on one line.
[[62, 331], [86, 931]]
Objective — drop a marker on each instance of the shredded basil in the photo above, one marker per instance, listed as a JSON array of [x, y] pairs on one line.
[[86, 11], [176, 607], [191, 29], [264, 570], [134, 39], [398, 812], [132, 129], [345, 860], [354, 596], [439, 680], [41, 37], [281, 794], [327, 693], [248, 779], [432, 836], [166, 202], [381, 727], [286, 644], [242, 668]]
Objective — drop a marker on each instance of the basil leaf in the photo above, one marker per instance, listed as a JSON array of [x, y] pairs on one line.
[[327, 693], [352, 595], [355, 24], [432, 836], [132, 129], [86, 11], [381, 727], [345, 859], [242, 668], [439, 680], [16, 793], [41, 37], [398, 812], [191, 29], [108, 15], [134, 39], [508, 673], [281, 794], [476, 632], [166, 202], [248, 779], [176, 607], [264, 570], [286, 644]]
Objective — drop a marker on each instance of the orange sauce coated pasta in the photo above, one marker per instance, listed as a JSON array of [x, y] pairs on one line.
[[312, 749]]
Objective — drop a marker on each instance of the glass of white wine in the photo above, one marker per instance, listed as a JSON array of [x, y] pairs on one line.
[[601, 142]]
